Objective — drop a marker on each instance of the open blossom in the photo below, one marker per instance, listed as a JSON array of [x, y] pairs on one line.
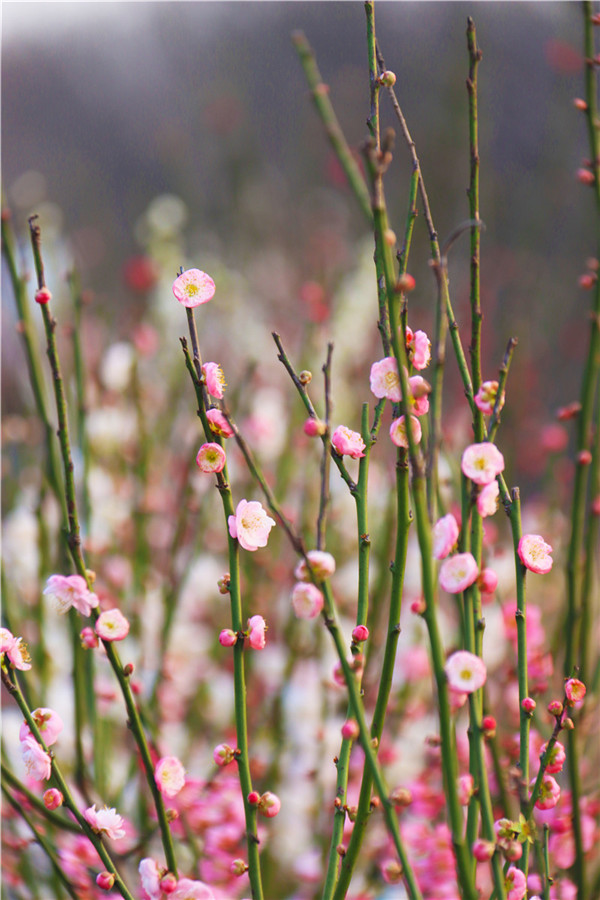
[[105, 821], [307, 600], [193, 287], [112, 625], [385, 381], [169, 775], [15, 650], [321, 563], [70, 591], [218, 423], [419, 391], [445, 536], [49, 725], [487, 499], [458, 572], [211, 458], [215, 379], [482, 462], [37, 761], [575, 691], [347, 442], [465, 672], [53, 798], [250, 525], [534, 553], [257, 632], [191, 890], [398, 433], [485, 398], [418, 347], [515, 883]]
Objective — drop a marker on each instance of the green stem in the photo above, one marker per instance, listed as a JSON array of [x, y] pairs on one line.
[[494, 422]]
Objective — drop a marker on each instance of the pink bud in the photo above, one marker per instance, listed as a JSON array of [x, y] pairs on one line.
[[418, 607], [269, 805], [584, 176], [555, 708], [401, 797], [487, 581], [406, 283], [43, 296], [314, 427], [227, 638], [575, 691], [52, 798], [253, 798], [223, 754], [105, 881], [513, 851], [238, 867], [587, 281], [483, 850], [89, 638], [528, 704], [579, 103], [360, 634], [168, 883], [350, 730], [584, 458], [488, 726]]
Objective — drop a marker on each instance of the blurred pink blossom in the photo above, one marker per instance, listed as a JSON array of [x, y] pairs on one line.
[[549, 792], [465, 672], [307, 600], [485, 398], [458, 572], [15, 649], [218, 423], [257, 632], [418, 347], [445, 535], [37, 761], [487, 499], [191, 890], [70, 591], [49, 725], [112, 625], [398, 431], [515, 883], [384, 379], [169, 775], [321, 563], [215, 379]]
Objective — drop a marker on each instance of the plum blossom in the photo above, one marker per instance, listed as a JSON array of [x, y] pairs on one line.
[[418, 347], [549, 792], [458, 572], [487, 499], [193, 287], [445, 536], [307, 600], [112, 625], [385, 381], [215, 379], [419, 390], [321, 563], [250, 525], [485, 398], [360, 634], [465, 672], [223, 754], [350, 730], [105, 881], [534, 553], [169, 775], [347, 442], [482, 462], [191, 890], [37, 761], [487, 581], [15, 650], [227, 638], [269, 804], [398, 431], [314, 427], [515, 883], [575, 691], [52, 798], [105, 821], [211, 458], [49, 725], [466, 786], [70, 591], [218, 423], [556, 758], [257, 632]]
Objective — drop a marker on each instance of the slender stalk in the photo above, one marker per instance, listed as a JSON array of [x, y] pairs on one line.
[[494, 422], [326, 457]]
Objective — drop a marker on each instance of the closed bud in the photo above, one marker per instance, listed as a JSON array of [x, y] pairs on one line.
[[128, 669], [314, 427], [305, 377], [340, 850], [238, 867], [43, 296], [168, 883], [528, 705], [387, 78], [171, 814], [401, 797], [223, 583], [52, 798], [584, 458], [488, 726], [105, 881], [579, 103], [360, 634], [584, 176], [555, 708], [405, 283]]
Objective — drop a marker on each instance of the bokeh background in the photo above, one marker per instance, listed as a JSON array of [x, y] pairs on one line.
[[184, 130]]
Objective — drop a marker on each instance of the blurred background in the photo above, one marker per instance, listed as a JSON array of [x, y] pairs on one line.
[[152, 135]]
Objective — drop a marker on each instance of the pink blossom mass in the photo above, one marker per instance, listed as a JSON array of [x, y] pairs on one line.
[[307, 600], [193, 287], [169, 775], [69, 591]]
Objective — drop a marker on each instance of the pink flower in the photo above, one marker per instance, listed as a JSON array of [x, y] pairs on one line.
[[218, 423], [52, 798], [487, 581], [458, 572], [223, 754], [307, 600], [215, 379], [350, 730], [191, 890], [487, 499], [445, 536], [256, 632], [549, 792], [557, 757], [112, 625], [465, 672], [515, 883], [348, 443], [37, 761], [385, 381], [150, 878], [482, 462], [398, 433], [534, 553], [314, 427], [49, 725], [250, 525], [575, 691], [483, 850], [169, 775], [105, 821], [360, 634], [193, 288], [105, 881], [211, 458], [485, 398], [419, 390], [269, 805], [227, 638], [418, 347], [465, 786], [321, 563], [70, 591], [89, 639], [15, 650]]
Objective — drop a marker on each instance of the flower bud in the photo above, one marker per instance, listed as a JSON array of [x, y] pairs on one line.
[[513, 851], [401, 797], [223, 754], [89, 638], [587, 281], [223, 583], [584, 176], [168, 883], [488, 726], [128, 670], [43, 296], [574, 691], [314, 427], [53, 798], [253, 798], [555, 708], [238, 867], [305, 377], [227, 638], [579, 103], [387, 78], [584, 458], [405, 283], [528, 705], [360, 634], [483, 850], [105, 881], [350, 730], [269, 804]]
